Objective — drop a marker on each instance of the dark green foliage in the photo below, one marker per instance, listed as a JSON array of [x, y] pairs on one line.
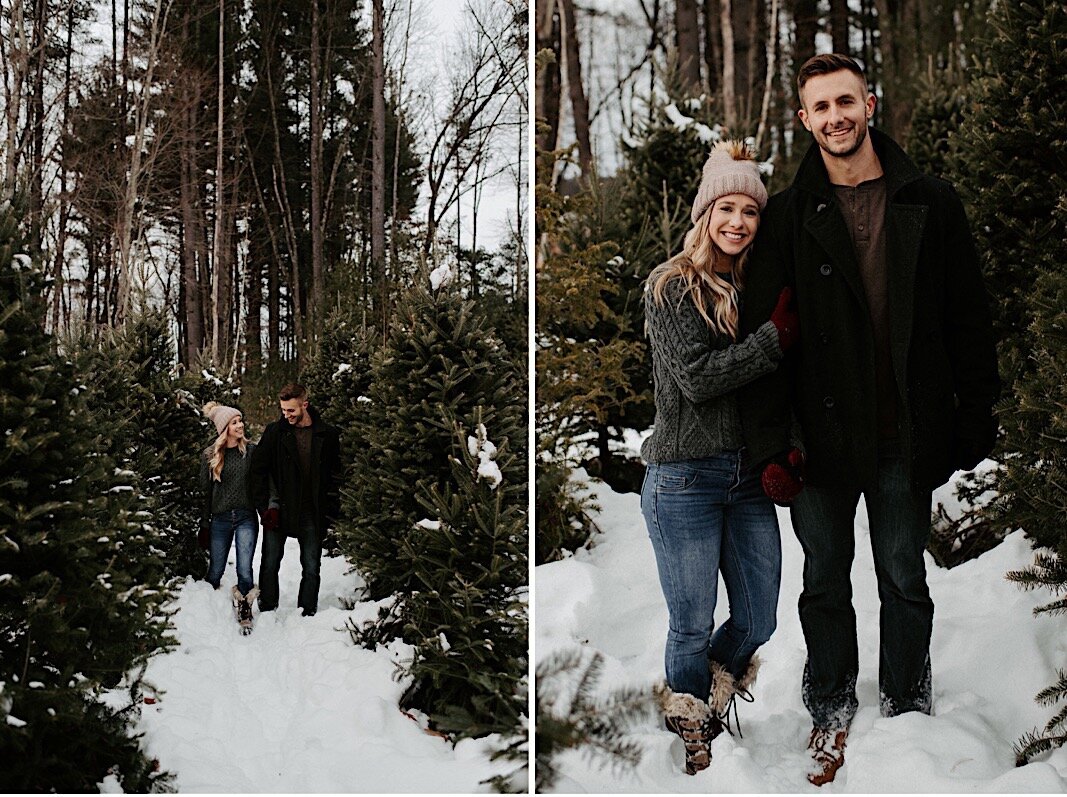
[[1011, 158], [570, 716], [955, 540], [440, 363], [467, 614], [82, 587], [1013, 147], [937, 115], [154, 428], [1054, 734]]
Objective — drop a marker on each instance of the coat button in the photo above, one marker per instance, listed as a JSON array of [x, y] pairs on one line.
[[826, 269], [821, 207], [824, 337], [828, 402]]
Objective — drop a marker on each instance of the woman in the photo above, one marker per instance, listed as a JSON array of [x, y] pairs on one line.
[[706, 512], [224, 471]]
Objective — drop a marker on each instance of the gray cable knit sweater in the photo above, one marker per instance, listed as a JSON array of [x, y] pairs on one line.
[[696, 371], [232, 492]]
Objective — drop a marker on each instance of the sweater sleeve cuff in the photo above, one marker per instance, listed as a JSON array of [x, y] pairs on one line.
[[767, 338]]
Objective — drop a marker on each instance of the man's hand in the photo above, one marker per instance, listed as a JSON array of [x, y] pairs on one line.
[[786, 320], [270, 518], [783, 477]]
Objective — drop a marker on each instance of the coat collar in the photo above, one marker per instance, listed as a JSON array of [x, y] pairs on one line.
[[898, 167]]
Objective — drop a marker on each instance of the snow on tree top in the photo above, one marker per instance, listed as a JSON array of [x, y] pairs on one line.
[[441, 276], [21, 261], [482, 448], [343, 368]]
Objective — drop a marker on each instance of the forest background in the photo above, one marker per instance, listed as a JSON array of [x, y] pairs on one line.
[[629, 98], [206, 200]]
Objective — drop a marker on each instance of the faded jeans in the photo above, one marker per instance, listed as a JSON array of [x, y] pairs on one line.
[[824, 520], [708, 517], [225, 526]]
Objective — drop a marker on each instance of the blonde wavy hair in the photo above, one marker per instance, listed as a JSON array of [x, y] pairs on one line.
[[216, 453], [695, 266]]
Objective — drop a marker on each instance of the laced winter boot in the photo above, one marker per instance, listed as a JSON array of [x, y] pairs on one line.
[[242, 606], [827, 748], [726, 691], [690, 718]]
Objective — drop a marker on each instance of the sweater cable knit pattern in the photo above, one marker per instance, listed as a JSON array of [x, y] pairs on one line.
[[695, 372]]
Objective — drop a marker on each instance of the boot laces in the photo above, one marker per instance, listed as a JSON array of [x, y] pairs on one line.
[[724, 715]]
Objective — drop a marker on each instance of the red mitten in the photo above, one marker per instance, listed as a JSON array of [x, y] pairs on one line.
[[783, 477], [786, 320], [270, 518]]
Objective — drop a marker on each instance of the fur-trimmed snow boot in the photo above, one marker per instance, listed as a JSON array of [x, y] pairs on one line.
[[242, 606], [727, 690], [690, 718]]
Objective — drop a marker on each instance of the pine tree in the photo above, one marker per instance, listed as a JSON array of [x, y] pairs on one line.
[[439, 364], [82, 589], [467, 616], [1012, 162], [940, 105], [155, 429], [1013, 149], [570, 716]]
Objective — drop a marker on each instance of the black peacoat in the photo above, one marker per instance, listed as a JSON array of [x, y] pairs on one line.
[[276, 460], [941, 334]]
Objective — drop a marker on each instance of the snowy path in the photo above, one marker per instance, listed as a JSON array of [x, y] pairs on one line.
[[989, 658], [295, 707]]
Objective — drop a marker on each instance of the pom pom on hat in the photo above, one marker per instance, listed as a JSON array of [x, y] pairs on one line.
[[220, 415], [729, 169]]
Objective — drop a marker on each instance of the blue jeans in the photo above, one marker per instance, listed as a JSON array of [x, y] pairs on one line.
[[824, 520], [708, 517], [224, 527], [271, 561]]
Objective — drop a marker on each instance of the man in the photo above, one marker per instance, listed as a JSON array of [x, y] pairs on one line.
[[295, 475], [893, 386]]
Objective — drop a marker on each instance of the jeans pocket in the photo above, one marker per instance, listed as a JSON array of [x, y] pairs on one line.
[[674, 478]]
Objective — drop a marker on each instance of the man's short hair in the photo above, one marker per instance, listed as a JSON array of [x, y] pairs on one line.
[[826, 64], [293, 391]]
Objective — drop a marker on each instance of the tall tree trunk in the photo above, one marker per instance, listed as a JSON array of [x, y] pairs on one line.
[[219, 273], [687, 39], [713, 45], [729, 81], [770, 70], [549, 81], [579, 104], [806, 20], [17, 54], [377, 212], [64, 198], [839, 25], [744, 14], [40, 48], [192, 310], [315, 88], [897, 32]]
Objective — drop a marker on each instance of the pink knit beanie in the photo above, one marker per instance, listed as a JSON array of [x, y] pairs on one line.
[[729, 169], [220, 414]]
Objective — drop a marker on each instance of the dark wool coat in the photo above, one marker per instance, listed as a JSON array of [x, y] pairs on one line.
[[276, 459], [941, 334]]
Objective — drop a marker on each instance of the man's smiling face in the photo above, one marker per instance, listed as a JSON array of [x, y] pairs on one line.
[[835, 109]]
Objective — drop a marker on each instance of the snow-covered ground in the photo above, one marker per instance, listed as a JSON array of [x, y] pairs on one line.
[[295, 706], [990, 656]]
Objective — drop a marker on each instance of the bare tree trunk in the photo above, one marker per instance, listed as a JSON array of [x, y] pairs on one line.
[[192, 311], [16, 60], [64, 198], [40, 48], [772, 51], [549, 81], [897, 35], [377, 213], [729, 98], [126, 211], [579, 104], [839, 25], [315, 89], [687, 39], [713, 44], [218, 273], [806, 19]]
